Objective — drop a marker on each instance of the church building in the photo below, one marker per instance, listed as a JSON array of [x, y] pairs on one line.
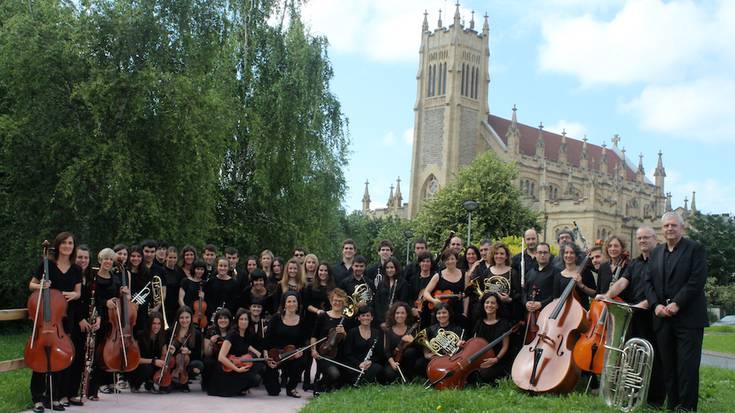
[[562, 178]]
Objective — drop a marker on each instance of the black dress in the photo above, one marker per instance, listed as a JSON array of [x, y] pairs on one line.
[[490, 332], [455, 304], [172, 281], [387, 294], [218, 292], [356, 348], [226, 384], [279, 335]]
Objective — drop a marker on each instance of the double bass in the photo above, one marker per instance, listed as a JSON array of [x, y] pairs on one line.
[[120, 352], [48, 349], [546, 365]]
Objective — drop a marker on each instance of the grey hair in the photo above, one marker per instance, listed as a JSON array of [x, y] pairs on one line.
[[672, 214], [106, 253]]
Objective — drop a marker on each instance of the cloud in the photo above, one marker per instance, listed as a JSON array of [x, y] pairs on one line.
[[703, 109], [389, 139], [408, 136], [383, 30], [713, 195], [574, 129]]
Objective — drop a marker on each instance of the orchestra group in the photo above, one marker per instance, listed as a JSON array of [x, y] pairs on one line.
[[152, 317]]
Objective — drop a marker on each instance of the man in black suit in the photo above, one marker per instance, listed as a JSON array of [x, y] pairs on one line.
[[675, 291]]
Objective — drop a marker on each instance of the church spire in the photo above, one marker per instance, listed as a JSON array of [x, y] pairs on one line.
[[425, 25], [485, 26], [563, 148], [390, 197], [472, 21], [660, 172], [694, 202], [457, 17], [366, 199], [583, 161], [513, 135], [603, 159], [397, 197], [439, 24], [686, 204], [540, 149]]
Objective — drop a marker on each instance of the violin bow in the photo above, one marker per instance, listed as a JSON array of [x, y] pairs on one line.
[[293, 353]]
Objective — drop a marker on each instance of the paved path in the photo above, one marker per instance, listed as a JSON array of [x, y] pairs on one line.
[[194, 402], [721, 360]]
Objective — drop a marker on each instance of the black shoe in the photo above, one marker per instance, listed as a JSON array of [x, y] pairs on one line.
[[293, 393], [148, 385], [185, 388], [58, 408], [38, 409], [75, 402]]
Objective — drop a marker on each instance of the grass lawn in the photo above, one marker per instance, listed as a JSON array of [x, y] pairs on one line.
[[11, 345], [717, 394], [14, 391], [719, 338]]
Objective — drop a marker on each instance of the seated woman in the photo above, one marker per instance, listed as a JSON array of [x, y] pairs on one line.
[[238, 379], [326, 321], [285, 332], [442, 324], [213, 339], [186, 349], [359, 342], [489, 327], [399, 330], [152, 345]]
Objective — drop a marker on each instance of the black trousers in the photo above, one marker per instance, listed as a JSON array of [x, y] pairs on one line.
[[681, 353], [329, 376], [291, 369], [641, 326], [371, 375], [40, 385]]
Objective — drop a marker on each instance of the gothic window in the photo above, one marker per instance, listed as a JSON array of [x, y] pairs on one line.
[[463, 78], [553, 192], [433, 81], [444, 79], [474, 84], [428, 82], [477, 81]]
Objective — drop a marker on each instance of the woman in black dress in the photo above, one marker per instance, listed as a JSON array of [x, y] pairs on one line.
[[328, 374], [451, 281], [65, 276], [192, 287], [400, 327], [285, 329], [583, 283], [360, 340], [152, 344], [239, 379], [441, 321], [418, 284], [139, 279], [215, 335], [187, 341], [173, 275], [221, 290], [391, 289], [107, 287], [257, 291], [490, 326]]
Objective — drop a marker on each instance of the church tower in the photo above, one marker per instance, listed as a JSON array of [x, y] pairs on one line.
[[451, 103]]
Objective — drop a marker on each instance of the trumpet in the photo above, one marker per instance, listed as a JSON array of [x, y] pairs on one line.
[[157, 291], [141, 296]]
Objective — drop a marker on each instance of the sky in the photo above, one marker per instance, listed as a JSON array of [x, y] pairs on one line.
[[661, 74]]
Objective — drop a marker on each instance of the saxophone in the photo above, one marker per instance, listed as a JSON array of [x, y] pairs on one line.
[[89, 348]]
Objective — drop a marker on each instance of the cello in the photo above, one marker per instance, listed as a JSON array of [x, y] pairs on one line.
[[546, 365], [120, 352], [48, 349], [451, 372]]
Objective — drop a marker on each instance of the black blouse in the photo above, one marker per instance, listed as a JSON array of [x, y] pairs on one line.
[[239, 345], [492, 331], [279, 335], [356, 347]]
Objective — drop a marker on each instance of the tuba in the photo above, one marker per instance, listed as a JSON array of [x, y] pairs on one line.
[[627, 370]]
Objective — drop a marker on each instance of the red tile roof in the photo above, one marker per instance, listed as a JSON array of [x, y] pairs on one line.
[[552, 142]]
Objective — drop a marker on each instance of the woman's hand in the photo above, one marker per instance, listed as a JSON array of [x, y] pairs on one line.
[[489, 362]]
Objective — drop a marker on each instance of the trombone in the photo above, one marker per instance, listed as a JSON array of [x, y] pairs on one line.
[[157, 291]]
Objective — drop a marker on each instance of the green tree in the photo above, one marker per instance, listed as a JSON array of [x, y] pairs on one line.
[[716, 233], [488, 181]]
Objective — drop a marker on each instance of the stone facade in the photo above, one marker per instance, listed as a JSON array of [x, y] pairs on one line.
[[566, 180]]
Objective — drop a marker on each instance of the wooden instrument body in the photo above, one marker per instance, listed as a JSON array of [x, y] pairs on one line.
[[451, 372], [199, 306], [551, 351], [589, 351], [181, 371], [120, 352], [330, 346], [276, 354], [444, 296], [51, 350], [246, 360], [163, 377], [532, 320]]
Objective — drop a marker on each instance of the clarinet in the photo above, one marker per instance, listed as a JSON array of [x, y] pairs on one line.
[[89, 347], [367, 358]]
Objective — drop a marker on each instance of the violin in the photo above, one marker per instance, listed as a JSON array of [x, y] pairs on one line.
[[330, 346], [398, 351], [200, 311], [246, 360], [546, 365], [531, 324], [451, 372], [120, 352], [48, 349], [444, 296], [283, 353], [163, 377]]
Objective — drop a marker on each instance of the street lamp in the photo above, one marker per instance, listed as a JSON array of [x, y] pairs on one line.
[[470, 206], [408, 234]]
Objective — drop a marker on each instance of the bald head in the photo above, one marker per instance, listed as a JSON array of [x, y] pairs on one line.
[[531, 239], [646, 239], [455, 244]]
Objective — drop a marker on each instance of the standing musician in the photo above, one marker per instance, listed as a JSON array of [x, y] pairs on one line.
[[284, 333], [174, 275], [311, 263], [591, 271], [489, 326], [418, 285], [186, 348], [192, 287], [385, 252], [631, 287], [221, 288], [473, 257], [293, 280], [615, 263], [108, 287], [397, 339], [530, 237], [584, 288], [540, 279], [272, 281], [316, 301], [122, 252], [333, 325], [391, 288], [140, 276], [477, 276], [239, 378], [343, 270], [450, 280], [565, 236], [150, 249], [213, 339], [81, 325], [357, 278], [209, 255], [64, 276], [233, 257], [441, 320], [412, 268], [152, 345], [258, 292], [265, 263], [675, 291], [510, 304], [188, 257], [359, 342], [161, 252]]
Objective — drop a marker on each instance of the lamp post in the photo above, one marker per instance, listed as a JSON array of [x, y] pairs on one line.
[[470, 206], [408, 234]]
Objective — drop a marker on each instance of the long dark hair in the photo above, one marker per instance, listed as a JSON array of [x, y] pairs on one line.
[[158, 340], [396, 265], [480, 308], [61, 237], [390, 316], [316, 283]]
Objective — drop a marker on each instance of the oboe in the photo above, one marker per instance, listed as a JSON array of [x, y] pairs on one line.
[[89, 347], [367, 358]]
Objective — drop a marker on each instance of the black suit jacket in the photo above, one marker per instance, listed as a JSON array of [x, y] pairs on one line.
[[684, 284]]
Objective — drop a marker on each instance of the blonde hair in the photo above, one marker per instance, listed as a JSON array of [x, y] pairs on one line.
[[300, 276], [106, 253]]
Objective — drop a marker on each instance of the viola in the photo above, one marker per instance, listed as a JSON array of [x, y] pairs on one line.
[[120, 352], [181, 370], [330, 346], [451, 372], [444, 296], [246, 360], [200, 311], [48, 349], [163, 377], [278, 354], [546, 365], [531, 324]]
